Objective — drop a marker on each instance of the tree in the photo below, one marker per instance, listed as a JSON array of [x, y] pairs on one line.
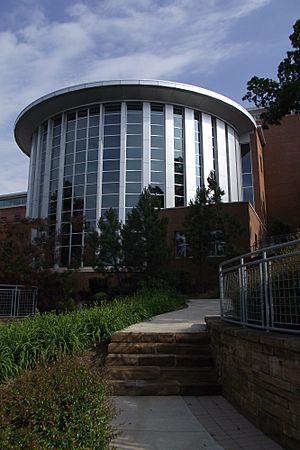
[[22, 256], [144, 237], [203, 217], [107, 244], [27, 257], [206, 224], [282, 96]]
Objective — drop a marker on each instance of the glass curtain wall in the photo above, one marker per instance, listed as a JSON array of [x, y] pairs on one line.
[[134, 151], [198, 155], [54, 172], [79, 182], [157, 154], [247, 174], [79, 133], [43, 149], [214, 144], [111, 157], [179, 157]]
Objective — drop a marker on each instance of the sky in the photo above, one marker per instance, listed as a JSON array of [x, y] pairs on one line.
[[46, 45]]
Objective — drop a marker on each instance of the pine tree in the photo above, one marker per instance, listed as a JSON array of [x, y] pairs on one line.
[[144, 237], [204, 222], [107, 245]]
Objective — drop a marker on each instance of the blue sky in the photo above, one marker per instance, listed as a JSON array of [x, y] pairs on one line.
[[46, 45]]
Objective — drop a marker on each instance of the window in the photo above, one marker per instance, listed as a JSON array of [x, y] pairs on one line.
[[134, 142], [198, 162], [158, 152], [178, 156], [111, 156], [183, 249], [217, 244], [247, 174]]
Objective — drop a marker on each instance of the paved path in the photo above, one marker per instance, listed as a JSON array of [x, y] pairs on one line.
[[186, 320], [184, 423]]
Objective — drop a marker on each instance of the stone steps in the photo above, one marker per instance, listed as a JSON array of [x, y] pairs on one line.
[[161, 364], [162, 360]]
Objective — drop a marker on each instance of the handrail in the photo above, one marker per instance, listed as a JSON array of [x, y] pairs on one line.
[[261, 289]]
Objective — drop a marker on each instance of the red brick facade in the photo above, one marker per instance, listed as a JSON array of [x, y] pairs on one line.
[[282, 171], [13, 213]]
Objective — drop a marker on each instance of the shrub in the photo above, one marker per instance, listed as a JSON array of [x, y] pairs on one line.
[[62, 406]]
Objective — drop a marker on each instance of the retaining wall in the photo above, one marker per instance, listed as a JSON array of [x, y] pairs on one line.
[[260, 375]]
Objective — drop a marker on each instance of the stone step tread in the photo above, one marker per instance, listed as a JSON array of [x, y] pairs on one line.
[[170, 387], [179, 374], [161, 360], [162, 348], [121, 336]]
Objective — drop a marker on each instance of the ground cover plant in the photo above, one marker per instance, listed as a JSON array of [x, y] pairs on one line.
[[63, 405], [46, 337]]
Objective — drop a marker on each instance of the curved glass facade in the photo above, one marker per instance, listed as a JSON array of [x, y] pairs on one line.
[[87, 160]]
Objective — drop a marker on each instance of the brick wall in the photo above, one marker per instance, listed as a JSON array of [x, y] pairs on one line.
[[281, 165], [13, 213], [260, 374]]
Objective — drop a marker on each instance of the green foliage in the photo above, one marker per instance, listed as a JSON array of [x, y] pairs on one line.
[[144, 236], [203, 218], [282, 96], [27, 257], [46, 337], [207, 223], [61, 406], [109, 246], [100, 297], [23, 256]]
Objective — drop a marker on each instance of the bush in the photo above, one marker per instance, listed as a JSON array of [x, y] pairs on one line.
[[62, 406], [46, 337]]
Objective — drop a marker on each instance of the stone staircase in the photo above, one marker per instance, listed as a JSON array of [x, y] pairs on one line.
[[161, 364]]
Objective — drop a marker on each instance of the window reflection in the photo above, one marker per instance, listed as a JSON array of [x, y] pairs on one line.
[[111, 156], [158, 151], [134, 138], [178, 156], [247, 174]]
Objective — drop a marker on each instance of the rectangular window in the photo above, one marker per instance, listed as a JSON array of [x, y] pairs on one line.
[[247, 174], [134, 143], [198, 156], [157, 152], [111, 156], [182, 247]]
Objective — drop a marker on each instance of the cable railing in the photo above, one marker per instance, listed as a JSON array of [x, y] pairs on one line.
[[17, 301], [261, 289]]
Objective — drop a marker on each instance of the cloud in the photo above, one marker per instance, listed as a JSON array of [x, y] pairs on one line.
[[109, 39]]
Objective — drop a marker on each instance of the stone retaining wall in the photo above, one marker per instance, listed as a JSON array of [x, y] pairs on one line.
[[260, 375]]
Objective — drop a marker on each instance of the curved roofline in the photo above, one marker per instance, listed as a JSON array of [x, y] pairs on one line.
[[148, 90]]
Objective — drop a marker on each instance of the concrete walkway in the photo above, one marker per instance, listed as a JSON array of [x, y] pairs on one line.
[[186, 320], [183, 423]]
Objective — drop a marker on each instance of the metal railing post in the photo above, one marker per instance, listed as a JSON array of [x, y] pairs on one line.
[[266, 290], [221, 290], [15, 309], [242, 291], [270, 292]]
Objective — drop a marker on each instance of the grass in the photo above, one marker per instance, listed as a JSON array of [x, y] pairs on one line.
[[47, 337]]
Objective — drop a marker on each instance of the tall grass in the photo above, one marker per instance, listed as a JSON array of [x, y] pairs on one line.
[[46, 337]]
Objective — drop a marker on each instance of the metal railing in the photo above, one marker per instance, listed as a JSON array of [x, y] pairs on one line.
[[262, 289], [17, 301]]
